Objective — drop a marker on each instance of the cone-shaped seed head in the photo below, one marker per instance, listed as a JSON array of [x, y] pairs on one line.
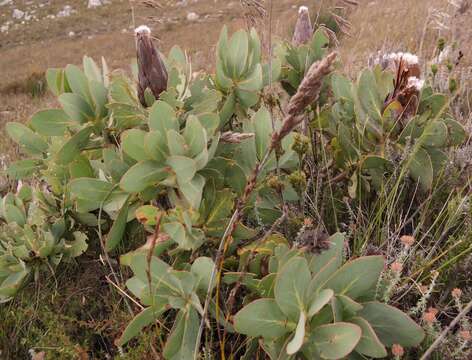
[[303, 28], [152, 73]]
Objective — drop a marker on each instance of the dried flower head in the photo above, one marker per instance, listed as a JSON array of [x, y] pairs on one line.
[[456, 293], [465, 335], [424, 289], [430, 315], [407, 240], [397, 350], [407, 82], [307, 94], [396, 267], [433, 310]]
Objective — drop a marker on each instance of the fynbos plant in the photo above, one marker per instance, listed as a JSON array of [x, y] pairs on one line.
[[314, 306], [35, 236], [380, 121], [205, 167]]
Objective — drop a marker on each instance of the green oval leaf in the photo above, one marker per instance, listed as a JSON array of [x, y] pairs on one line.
[[357, 278], [262, 318], [143, 175], [53, 122], [118, 229], [184, 168], [26, 138], [335, 341], [202, 268], [23, 168], [162, 118], [77, 81], [139, 322], [76, 107], [421, 168], [90, 189], [14, 215], [290, 287], [391, 325], [320, 301], [132, 142], [369, 344], [72, 148]]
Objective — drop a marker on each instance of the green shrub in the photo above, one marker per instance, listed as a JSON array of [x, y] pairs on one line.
[[35, 236], [204, 200]]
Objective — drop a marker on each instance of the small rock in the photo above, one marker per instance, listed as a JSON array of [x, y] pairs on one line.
[[66, 11], [96, 3], [5, 2], [4, 28], [17, 14], [71, 33], [191, 16]]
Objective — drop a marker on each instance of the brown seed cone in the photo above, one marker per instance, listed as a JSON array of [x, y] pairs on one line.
[[152, 72], [307, 94], [303, 29]]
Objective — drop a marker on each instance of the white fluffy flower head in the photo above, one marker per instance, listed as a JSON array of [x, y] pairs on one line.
[[415, 82], [410, 59], [142, 29], [302, 9]]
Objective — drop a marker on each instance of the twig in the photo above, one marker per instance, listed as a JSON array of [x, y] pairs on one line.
[[440, 338], [124, 292]]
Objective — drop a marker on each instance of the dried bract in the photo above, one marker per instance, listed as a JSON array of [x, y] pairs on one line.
[[152, 73], [303, 29]]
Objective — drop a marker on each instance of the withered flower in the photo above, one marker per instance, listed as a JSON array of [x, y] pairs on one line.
[[152, 73]]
